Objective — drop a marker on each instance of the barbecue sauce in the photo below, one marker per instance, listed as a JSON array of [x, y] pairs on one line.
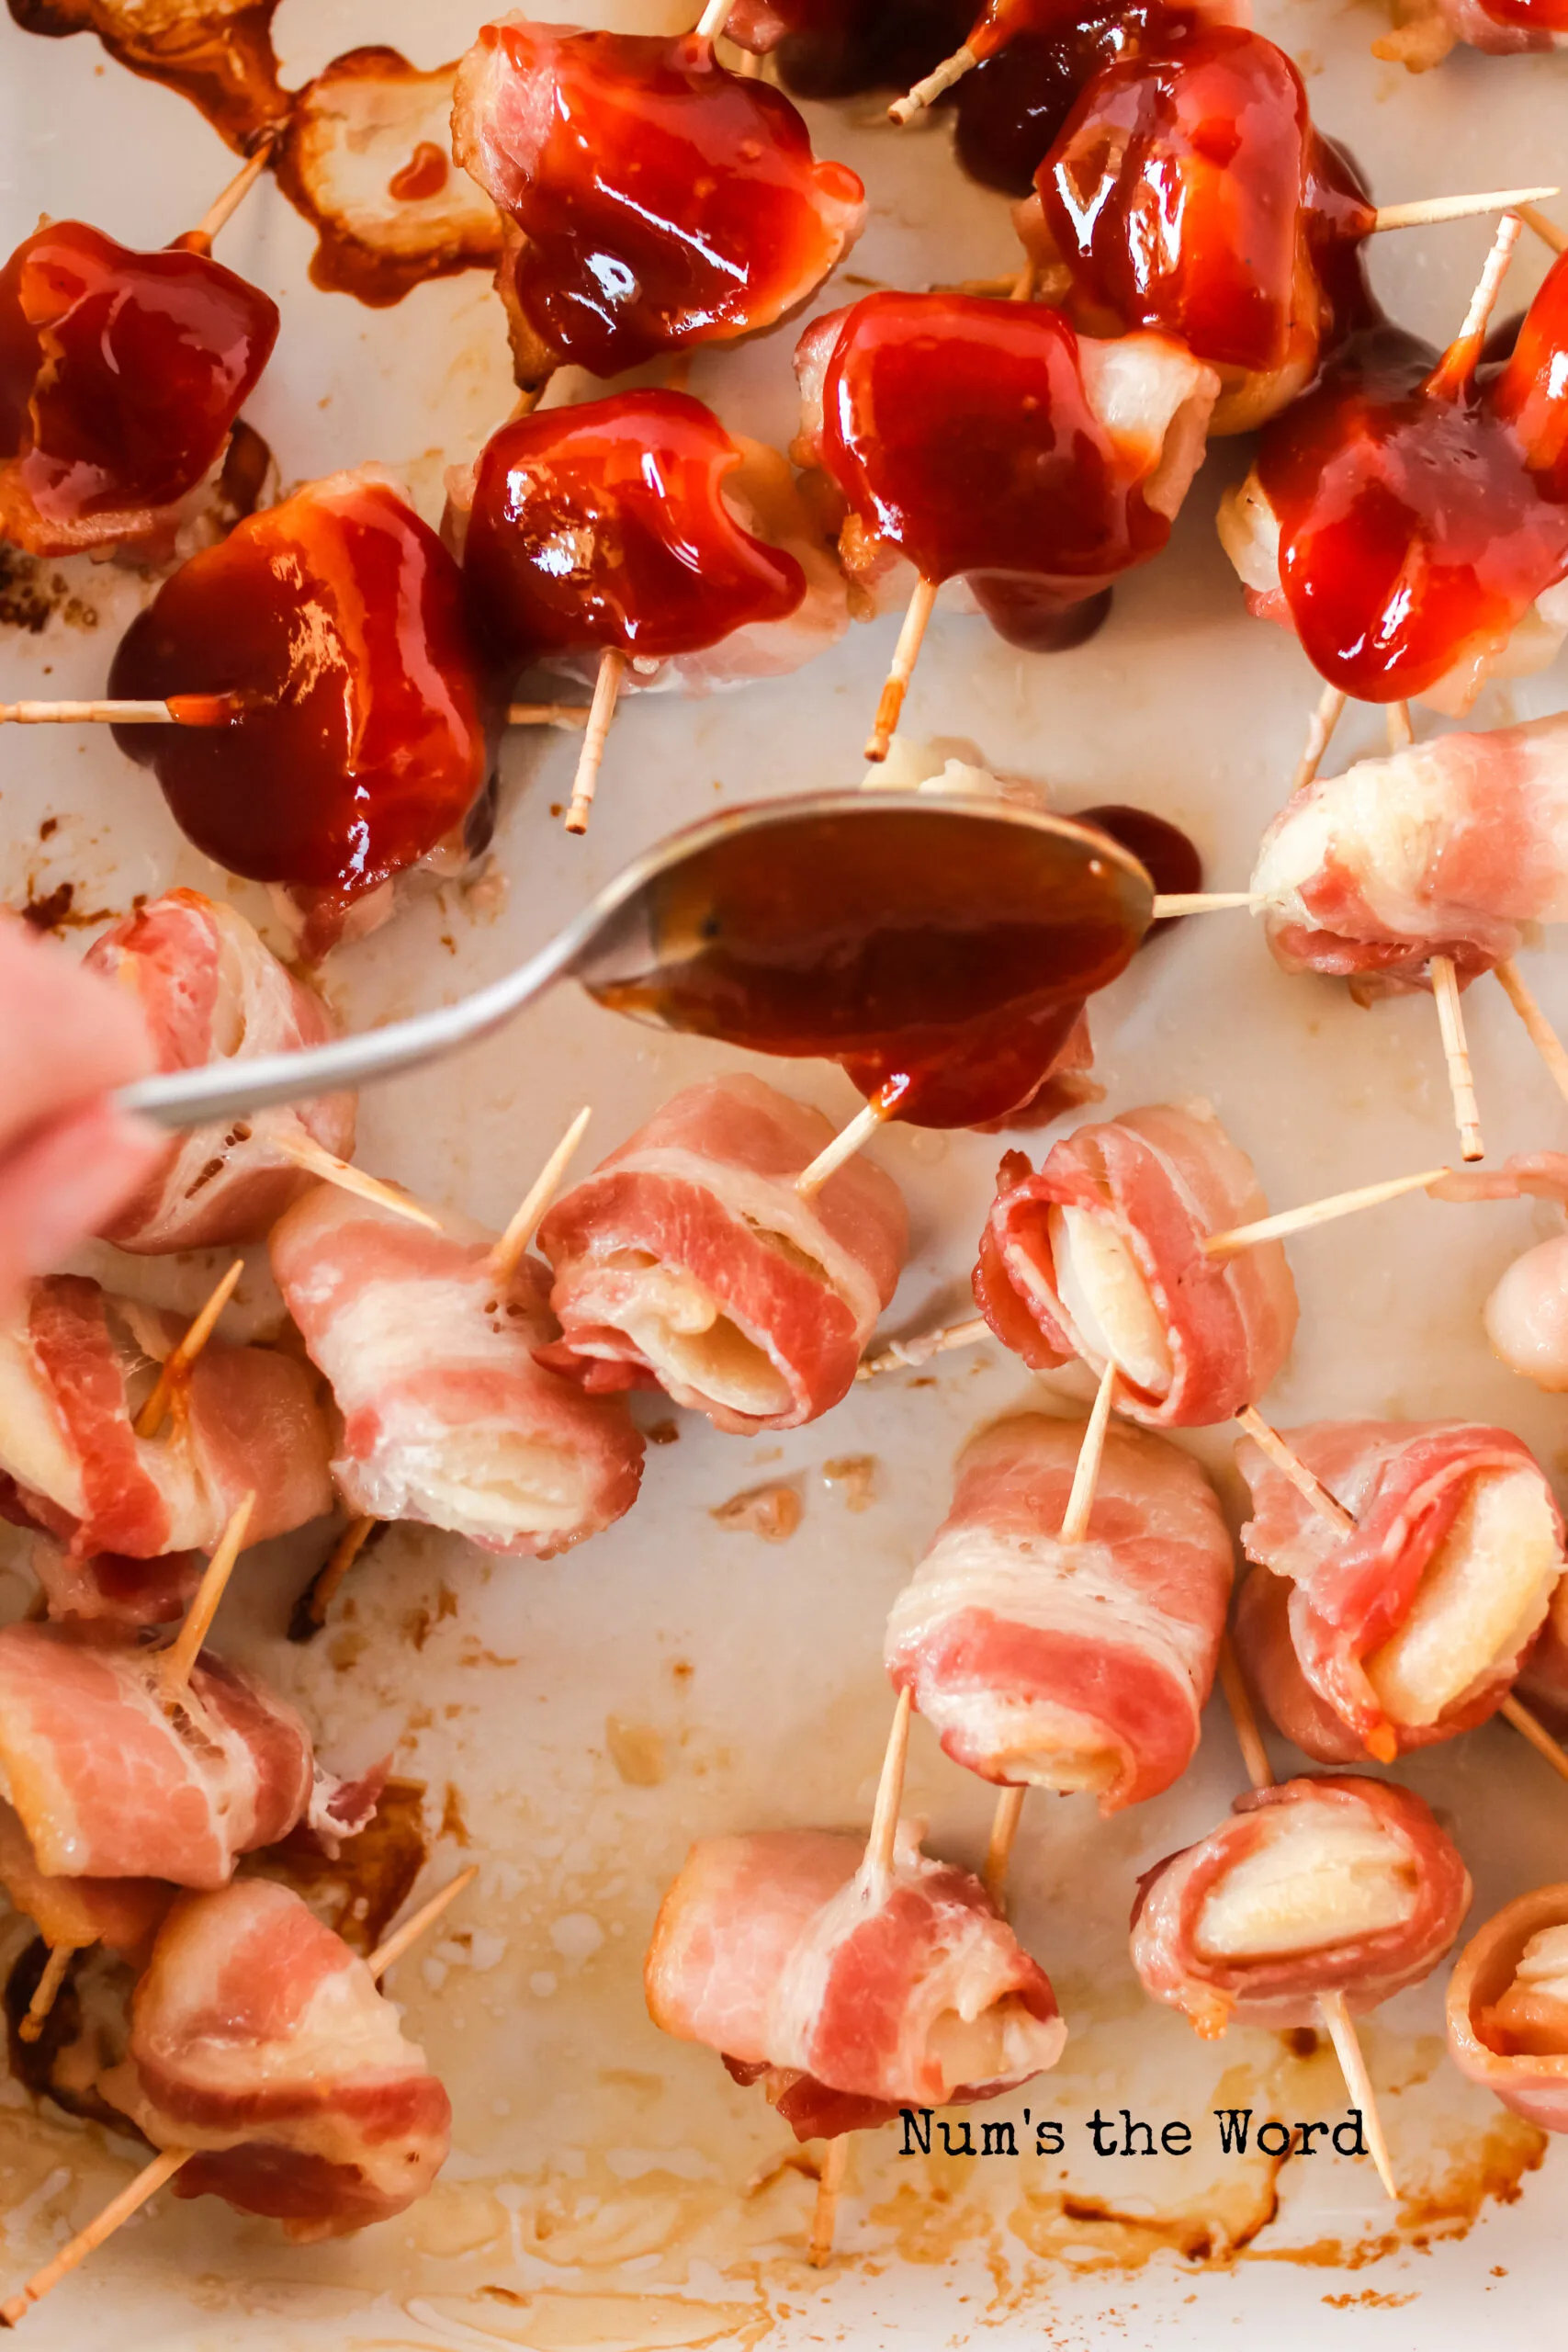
[[1011, 107], [220, 58], [1168, 855], [1184, 193], [1422, 508], [326, 637], [121, 374], [959, 432], [664, 201], [1533, 16], [838, 49], [605, 524], [941, 952]]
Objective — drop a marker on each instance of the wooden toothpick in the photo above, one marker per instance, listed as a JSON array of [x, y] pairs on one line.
[[1324, 1212], [1456, 366], [907, 1354], [877, 1867], [1426, 211], [1530, 1726], [829, 2181], [900, 670], [1169, 904], [1455, 1055], [164, 2166], [1541, 1034], [844, 1146], [176, 1662], [1325, 718], [177, 1363], [1269, 1442], [601, 711], [548, 714], [101, 712], [317, 1160], [46, 1991], [310, 1610], [927, 91], [1546, 230], [510, 1249]]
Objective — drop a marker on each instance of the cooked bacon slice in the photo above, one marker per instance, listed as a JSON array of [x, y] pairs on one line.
[[664, 201], [1325, 1884], [1100, 1253], [123, 1913], [76, 1364], [447, 1417], [1449, 848], [1508, 2007], [777, 1950], [260, 2041], [366, 157], [1067, 1666], [689, 1261], [110, 1782], [212, 991], [113, 1587], [1411, 1627], [218, 53]]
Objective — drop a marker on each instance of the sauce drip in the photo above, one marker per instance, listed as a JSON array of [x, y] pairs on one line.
[[120, 378], [959, 431], [664, 202], [942, 955], [1421, 516], [1185, 193], [424, 176], [837, 48], [605, 524], [221, 57], [329, 632]]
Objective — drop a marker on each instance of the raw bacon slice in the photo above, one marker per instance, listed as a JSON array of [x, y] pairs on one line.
[[853, 1998], [121, 377], [1067, 1666], [688, 1261], [1129, 1202], [260, 2041], [1508, 2007], [112, 1588], [76, 1364], [123, 1913], [447, 1417], [1329, 1884], [210, 990], [1411, 1626], [1449, 848], [109, 1781], [664, 201]]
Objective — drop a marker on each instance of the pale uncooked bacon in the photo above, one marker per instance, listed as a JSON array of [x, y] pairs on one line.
[[447, 1417], [1507, 2017], [689, 1261], [109, 1780], [210, 990], [849, 1995], [76, 1364], [259, 2040], [1425, 1897], [1448, 848], [1313, 1631], [112, 1588], [1080, 1665], [123, 1913], [1162, 1178]]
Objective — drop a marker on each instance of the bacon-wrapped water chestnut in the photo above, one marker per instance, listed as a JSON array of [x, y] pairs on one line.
[[1508, 2007]]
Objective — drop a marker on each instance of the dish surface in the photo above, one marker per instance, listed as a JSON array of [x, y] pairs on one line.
[[576, 1724]]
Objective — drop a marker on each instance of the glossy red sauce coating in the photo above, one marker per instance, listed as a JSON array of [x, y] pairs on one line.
[[836, 48], [1012, 106], [424, 176], [332, 628], [1176, 191], [605, 524], [120, 377], [1420, 517], [1535, 16], [664, 201], [958, 430]]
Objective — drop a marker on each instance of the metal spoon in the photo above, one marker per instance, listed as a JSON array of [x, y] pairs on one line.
[[803, 925]]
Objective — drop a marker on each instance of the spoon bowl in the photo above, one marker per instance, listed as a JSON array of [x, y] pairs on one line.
[[820, 924]]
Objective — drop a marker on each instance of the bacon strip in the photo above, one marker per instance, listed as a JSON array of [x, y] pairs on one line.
[[110, 1782], [1163, 1178], [1448, 848], [211, 991], [1405, 1484], [688, 1261], [1067, 1666], [75, 1365], [777, 1950], [1532, 2080], [123, 1913], [260, 2041], [1282, 1989], [446, 1416], [111, 1587]]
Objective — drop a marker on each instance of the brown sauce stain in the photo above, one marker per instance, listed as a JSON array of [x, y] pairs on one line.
[[364, 1890], [771, 1512], [57, 909], [83, 2034], [637, 1751], [31, 595], [856, 1475], [227, 68], [1368, 2299], [424, 175], [453, 1822]]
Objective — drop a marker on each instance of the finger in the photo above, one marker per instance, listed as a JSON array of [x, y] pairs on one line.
[[67, 1035], [66, 1181]]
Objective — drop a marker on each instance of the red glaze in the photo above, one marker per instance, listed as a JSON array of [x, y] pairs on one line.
[[1170, 857], [835, 49], [120, 376], [1012, 106], [331, 630], [1535, 16], [1174, 195], [1421, 511], [959, 432], [607, 525], [664, 201]]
